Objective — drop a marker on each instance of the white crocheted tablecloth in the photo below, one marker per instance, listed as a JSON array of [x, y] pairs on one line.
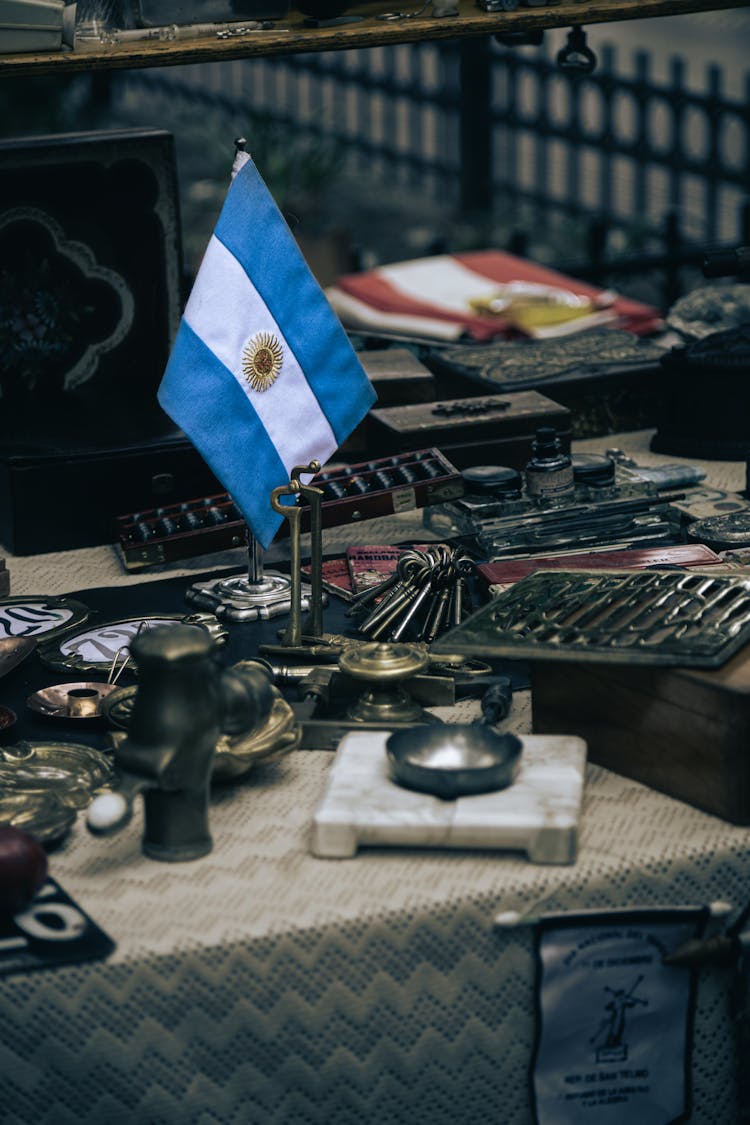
[[263, 986]]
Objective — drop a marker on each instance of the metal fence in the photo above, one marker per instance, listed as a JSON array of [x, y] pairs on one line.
[[637, 170]]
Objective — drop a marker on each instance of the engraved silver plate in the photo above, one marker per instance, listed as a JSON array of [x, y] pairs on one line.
[[644, 617], [31, 616], [104, 646]]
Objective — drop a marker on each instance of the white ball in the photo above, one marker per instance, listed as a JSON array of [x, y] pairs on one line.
[[107, 812]]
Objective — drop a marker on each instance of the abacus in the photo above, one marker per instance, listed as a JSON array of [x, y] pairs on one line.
[[351, 493]]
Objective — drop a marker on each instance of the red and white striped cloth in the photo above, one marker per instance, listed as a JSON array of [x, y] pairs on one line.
[[431, 297]]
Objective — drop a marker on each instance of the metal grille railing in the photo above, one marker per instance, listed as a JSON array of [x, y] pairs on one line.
[[626, 149], [652, 167]]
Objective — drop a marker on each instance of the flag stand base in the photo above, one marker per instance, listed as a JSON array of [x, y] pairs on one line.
[[257, 595]]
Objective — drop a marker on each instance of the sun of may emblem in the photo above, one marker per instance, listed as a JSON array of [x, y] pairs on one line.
[[262, 358]]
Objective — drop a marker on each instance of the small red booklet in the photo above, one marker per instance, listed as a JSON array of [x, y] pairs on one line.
[[369, 566], [335, 577]]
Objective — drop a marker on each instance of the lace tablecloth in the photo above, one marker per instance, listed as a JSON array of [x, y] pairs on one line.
[[263, 986]]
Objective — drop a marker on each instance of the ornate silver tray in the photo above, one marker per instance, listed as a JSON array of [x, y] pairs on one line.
[[235, 754]]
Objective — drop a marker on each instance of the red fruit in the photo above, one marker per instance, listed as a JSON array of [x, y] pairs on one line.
[[23, 869]]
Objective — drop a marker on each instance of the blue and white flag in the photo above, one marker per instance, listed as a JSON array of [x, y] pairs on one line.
[[262, 376]]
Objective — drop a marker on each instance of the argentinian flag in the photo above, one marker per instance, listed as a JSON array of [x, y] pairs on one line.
[[262, 376]]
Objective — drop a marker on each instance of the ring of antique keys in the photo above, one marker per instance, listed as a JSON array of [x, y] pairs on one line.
[[428, 594]]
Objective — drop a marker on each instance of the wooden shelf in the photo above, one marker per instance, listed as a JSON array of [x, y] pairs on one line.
[[292, 37]]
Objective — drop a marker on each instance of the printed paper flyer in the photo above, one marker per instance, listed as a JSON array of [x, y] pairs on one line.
[[614, 1020]]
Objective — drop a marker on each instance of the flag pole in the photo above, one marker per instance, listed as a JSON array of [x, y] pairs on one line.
[[245, 597], [295, 337], [256, 594]]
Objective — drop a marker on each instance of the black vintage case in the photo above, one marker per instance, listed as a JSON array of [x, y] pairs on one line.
[[493, 429], [54, 500]]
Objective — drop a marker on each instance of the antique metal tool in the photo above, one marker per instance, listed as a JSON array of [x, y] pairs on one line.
[[383, 668], [305, 640], [183, 702], [313, 626], [428, 594], [378, 686], [576, 57], [291, 512]]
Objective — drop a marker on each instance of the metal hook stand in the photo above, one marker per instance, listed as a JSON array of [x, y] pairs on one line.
[[303, 638]]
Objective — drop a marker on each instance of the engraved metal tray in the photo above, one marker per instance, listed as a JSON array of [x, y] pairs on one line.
[[235, 754], [646, 617], [99, 646], [32, 615], [70, 771], [42, 814]]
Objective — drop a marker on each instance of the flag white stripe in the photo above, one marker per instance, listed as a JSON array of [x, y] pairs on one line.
[[354, 312], [440, 281], [289, 410]]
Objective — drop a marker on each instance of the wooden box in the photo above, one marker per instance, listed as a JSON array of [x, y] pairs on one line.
[[683, 731], [493, 429], [397, 377]]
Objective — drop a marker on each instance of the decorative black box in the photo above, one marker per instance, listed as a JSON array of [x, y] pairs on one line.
[[90, 299], [55, 501]]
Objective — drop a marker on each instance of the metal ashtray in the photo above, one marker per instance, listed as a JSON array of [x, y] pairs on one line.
[[83, 700], [453, 760]]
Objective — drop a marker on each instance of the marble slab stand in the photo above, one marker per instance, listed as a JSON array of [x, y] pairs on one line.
[[538, 814]]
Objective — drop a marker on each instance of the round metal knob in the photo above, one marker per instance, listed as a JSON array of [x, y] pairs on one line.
[[382, 663]]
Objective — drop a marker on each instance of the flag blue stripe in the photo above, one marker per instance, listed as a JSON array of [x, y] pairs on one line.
[[273, 262], [206, 401]]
